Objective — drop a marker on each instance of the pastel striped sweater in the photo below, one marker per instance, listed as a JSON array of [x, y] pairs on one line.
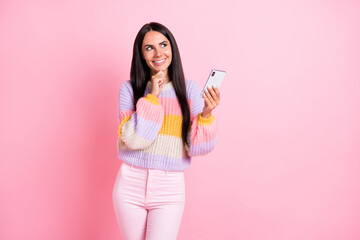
[[150, 137]]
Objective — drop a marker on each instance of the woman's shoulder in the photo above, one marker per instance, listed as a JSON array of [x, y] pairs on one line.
[[126, 84], [192, 88], [126, 88], [189, 82]]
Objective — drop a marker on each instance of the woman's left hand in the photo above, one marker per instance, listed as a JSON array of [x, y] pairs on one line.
[[212, 100]]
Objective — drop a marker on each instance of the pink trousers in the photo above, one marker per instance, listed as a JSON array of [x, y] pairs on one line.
[[148, 203]]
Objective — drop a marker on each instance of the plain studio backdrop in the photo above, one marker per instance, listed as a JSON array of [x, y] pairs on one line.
[[287, 162]]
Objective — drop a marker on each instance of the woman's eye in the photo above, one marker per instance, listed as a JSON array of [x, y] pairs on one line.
[[149, 48], [163, 45]]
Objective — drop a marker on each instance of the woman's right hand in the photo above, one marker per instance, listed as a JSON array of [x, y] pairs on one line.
[[157, 81]]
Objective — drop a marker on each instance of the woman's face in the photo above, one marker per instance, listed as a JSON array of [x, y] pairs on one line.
[[156, 50]]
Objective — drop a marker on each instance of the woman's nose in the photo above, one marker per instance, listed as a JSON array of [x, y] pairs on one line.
[[158, 53]]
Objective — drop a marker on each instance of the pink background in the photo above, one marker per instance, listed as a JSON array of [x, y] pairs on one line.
[[287, 162]]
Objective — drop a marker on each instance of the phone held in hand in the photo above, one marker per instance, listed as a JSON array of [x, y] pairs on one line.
[[215, 78]]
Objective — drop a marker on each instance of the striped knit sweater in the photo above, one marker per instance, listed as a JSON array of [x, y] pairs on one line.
[[150, 137]]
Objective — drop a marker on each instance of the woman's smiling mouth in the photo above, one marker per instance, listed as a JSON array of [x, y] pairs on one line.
[[159, 62]]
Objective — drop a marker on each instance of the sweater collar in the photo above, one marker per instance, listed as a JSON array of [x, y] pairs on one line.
[[166, 86]]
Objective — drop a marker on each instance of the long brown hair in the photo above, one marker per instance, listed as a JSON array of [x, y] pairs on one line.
[[140, 72]]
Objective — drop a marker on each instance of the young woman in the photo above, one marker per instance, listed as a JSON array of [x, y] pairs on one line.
[[163, 122]]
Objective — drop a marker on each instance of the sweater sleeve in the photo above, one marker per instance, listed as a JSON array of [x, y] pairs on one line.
[[138, 129], [203, 131]]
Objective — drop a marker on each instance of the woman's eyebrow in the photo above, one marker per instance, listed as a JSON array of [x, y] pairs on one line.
[[163, 42], [147, 45]]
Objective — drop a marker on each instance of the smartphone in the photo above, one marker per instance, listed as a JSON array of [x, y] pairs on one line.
[[215, 78]]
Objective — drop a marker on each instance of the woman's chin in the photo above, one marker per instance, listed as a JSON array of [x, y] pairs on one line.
[[157, 69]]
